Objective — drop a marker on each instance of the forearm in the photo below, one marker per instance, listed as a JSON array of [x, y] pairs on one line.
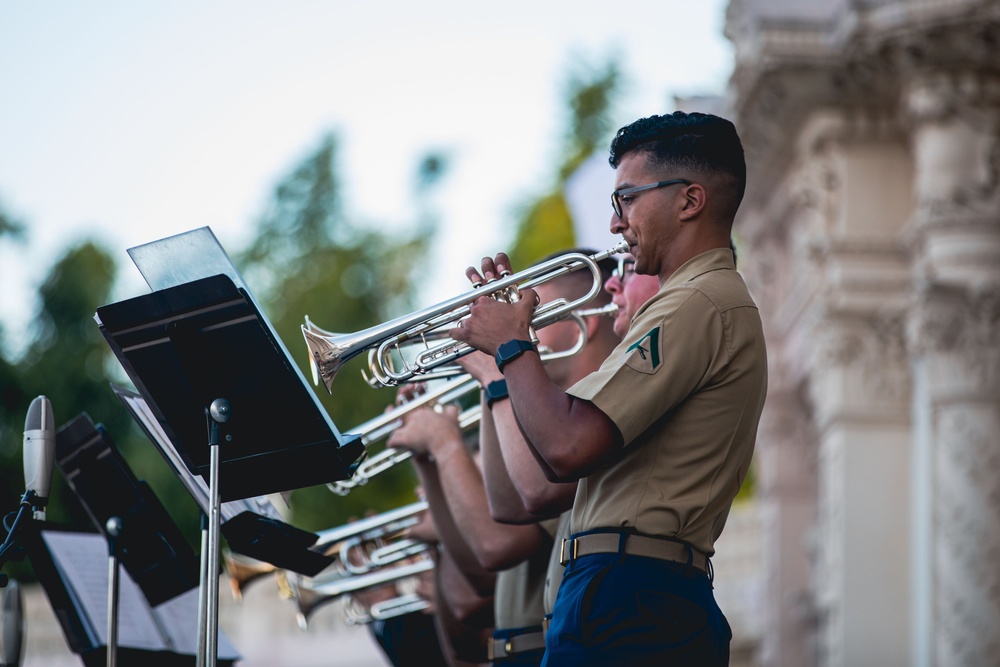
[[496, 546], [535, 496], [450, 535], [505, 502], [569, 437]]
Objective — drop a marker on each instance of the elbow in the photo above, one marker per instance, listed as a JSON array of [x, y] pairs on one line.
[[560, 470], [549, 502], [544, 508], [495, 560], [500, 515]]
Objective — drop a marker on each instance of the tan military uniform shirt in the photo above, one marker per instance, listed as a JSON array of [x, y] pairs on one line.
[[556, 568], [685, 388], [518, 600]]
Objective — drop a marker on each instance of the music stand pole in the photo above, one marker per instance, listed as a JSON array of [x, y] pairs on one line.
[[218, 413], [114, 529], [203, 586]]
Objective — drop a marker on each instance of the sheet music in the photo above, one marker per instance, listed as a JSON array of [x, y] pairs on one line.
[[178, 616], [83, 563], [195, 484]]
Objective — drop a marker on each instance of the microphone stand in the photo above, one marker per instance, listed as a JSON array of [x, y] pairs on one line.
[[114, 529]]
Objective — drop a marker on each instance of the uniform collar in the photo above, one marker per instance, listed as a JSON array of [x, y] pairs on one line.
[[711, 260]]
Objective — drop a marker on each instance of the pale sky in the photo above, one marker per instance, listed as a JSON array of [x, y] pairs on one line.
[[129, 122]]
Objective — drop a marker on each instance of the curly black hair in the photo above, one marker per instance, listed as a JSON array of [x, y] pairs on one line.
[[694, 141]]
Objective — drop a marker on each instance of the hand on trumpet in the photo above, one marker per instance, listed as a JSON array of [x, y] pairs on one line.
[[429, 432], [480, 366], [491, 321]]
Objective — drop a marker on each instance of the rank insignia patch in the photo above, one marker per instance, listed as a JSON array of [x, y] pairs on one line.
[[644, 354]]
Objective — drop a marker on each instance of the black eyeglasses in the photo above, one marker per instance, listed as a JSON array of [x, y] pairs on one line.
[[626, 267], [617, 194]]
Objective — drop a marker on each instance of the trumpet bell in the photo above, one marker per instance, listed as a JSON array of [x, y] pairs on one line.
[[242, 570], [327, 353]]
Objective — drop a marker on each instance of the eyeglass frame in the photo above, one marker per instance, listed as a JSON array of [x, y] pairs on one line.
[[618, 272], [616, 205]]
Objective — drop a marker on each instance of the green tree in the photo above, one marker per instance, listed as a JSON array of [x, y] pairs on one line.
[[545, 224], [309, 258]]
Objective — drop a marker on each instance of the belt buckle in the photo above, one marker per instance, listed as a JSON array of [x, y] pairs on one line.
[[563, 559]]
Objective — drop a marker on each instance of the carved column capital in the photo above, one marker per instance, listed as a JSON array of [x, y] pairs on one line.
[[956, 331], [859, 367]]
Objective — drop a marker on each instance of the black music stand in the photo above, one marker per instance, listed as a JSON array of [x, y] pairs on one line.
[[153, 549], [139, 532], [213, 371], [251, 526], [71, 567]]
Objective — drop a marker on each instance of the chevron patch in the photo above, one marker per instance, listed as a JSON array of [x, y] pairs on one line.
[[644, 354]]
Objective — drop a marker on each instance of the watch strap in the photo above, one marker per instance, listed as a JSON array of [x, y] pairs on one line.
[[511, 350], [495, 391]]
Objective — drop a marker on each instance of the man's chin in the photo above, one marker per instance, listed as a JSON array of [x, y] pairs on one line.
[[620, 327]]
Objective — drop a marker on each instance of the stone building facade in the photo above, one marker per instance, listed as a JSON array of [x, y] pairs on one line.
[[871, 229]]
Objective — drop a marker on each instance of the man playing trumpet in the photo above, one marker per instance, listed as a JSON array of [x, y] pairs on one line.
[[661, 436], [519, 553]]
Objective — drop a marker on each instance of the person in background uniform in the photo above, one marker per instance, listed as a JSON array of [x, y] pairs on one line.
[[516, 487], [518, 553], [661, 436]]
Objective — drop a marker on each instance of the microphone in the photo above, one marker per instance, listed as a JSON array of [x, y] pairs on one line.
[[39, 453]]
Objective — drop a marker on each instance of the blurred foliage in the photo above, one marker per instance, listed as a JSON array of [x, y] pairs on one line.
[[308, 258], [10, 227], [545, 224]]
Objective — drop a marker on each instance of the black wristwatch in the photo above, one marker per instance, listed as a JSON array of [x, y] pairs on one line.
[[495, 391], [511, 350]]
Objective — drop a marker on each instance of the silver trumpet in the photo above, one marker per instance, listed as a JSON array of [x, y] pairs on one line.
[[372, 552], [382, 426], [328, 352], [373, 542], [311, 594], [404, 603]]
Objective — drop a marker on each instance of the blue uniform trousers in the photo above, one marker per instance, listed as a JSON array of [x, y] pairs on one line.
[[634, 611]]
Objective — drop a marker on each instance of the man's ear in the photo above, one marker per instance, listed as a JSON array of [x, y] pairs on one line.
[[591, 324], [695, 197]]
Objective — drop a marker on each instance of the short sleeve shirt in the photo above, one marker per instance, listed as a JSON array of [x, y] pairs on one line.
[[519, 598], [685, 388], [555, 573]]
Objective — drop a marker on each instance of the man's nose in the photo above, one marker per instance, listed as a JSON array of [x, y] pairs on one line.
[[617, 225], [612, 285]]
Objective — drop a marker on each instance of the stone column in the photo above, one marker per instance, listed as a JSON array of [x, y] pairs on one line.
[[955, 346], [858, 379], [860, 384], [786, 461]]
